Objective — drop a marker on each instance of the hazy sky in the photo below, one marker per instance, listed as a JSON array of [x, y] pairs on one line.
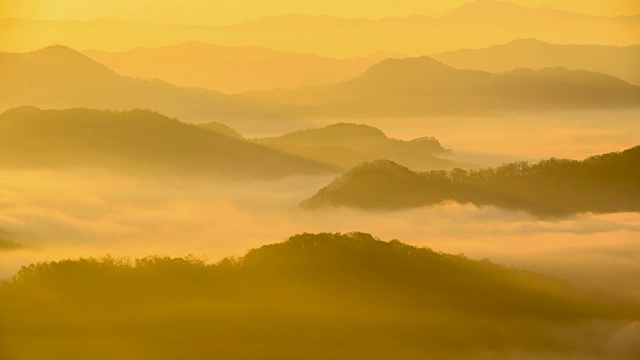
[[225, 12]]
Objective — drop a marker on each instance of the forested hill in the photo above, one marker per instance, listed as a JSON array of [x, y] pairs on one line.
[[379, 299], [600, 184], [139, 141]]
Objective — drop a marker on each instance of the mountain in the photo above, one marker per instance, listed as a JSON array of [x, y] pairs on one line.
[[423, 86], [221, 129], [138, 141], [474, 25], [345, 145], [314, 296], [619, 61], [59, 77], [231, 69], [599, 184]]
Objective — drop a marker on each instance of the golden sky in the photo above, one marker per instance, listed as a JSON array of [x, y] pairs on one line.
[[207, 12]]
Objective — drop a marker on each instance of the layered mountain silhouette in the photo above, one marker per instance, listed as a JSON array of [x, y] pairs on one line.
[[346, 145], [473, 25], [138, 141], [619, 61], [221, 129], [419, 86], [314, 296], [59, 77], [232, 69], [599, 184]]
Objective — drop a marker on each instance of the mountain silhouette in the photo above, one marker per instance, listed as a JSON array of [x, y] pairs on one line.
[[346, 145], [314, 296], [221, 129], [599, 184], [619, 61], [357, 137], [59, 77], [473, 25], [232, 69], [138, 141], [420, 86]]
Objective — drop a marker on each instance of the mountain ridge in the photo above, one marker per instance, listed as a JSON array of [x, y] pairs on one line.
[[232, 69], [379, 299], [348, 144], [549, 188], [337, 37], [618, 61], [35, 79], [424, 86], [137, 141]]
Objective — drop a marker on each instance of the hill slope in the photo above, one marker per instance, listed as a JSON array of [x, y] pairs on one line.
[[315, 296], [59, 77], [135, 140], [422, 86], [231, 69], [221, 129], [619, 61], [601, 184], [346, 145]]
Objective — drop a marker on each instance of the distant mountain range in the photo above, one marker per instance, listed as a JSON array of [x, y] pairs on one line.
[[59, 77], [618, 61], [424, 86], [345, 145], [314, 296], [232, 69], [221, 129], [600, 184], [136, 141], [474, 25], [242, 69]]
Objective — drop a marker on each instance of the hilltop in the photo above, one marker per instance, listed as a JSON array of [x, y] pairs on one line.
[[136, 140], [59, 77], [232, 69], [619, 61], [473, 25], [600, 184], [379, 299], [346, 145], [424, 86]]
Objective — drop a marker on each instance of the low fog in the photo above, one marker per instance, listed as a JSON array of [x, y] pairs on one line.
[[50, 215], [81, 213], [499, 138]]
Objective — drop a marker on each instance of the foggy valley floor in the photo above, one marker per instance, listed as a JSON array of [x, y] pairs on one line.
[[48, 215], [57, 215], [411, 179]]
